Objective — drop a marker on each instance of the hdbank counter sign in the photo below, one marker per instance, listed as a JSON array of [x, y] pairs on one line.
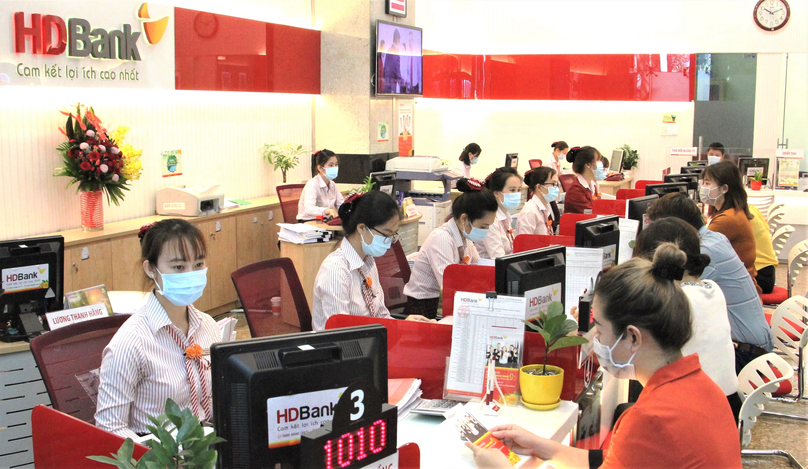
[[94, 44]]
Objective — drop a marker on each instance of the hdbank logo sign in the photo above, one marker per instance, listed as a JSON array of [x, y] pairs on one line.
[[95, 44]]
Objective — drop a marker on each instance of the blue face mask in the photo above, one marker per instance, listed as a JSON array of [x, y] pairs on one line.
[[184, 288], [511, 200], [476, 235], [552, 195], [377, 248], [332, 172], [600, 174], [475, 160]]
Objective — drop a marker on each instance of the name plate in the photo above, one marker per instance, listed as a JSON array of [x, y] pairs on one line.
[[67, 317]]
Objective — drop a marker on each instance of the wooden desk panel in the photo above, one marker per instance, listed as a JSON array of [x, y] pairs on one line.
[[307, 259], [611, 187]]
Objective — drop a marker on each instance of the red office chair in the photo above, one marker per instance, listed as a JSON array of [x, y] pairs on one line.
[[534, 163], [525, 242], [640, 185], [566, 181], [289, 195], [469, 278], [394, 273], [257, 283], [566, 226], [66, 356], [625, 194], [609, 207]]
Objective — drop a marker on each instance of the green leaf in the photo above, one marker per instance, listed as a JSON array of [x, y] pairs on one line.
[[185, 429], [555, 308], [206, 460], [69, 127], [568, 341], [126, 450], [112, 462], [167, 440], [161, 454]]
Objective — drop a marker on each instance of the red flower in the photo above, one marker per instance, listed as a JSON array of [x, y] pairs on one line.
[[94, 156], [98, 172], [86, 166], [73, 153]]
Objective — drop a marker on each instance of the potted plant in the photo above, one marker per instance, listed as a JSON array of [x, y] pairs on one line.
[[541, 384], [190, 447], [630, 160], [283, 156], [756, 181]]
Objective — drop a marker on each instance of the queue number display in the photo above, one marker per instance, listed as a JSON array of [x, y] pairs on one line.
[[363, 432]]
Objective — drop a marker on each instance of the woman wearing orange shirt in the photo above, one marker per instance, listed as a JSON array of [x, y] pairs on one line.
[[584, 188], [722, 189], [643, 320]]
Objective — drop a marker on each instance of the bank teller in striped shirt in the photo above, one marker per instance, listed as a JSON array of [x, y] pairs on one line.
[[452, 243], [154, 355]]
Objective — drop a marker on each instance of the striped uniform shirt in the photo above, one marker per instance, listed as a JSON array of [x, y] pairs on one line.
[[533, 218], [499, 240], [317, 197], [338, 286], [439, 250], [143, 366], [552, 163]]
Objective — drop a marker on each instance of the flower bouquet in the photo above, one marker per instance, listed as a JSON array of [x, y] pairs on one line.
[[97, 161]]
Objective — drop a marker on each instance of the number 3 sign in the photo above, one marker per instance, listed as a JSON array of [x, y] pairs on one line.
[[363, 432]]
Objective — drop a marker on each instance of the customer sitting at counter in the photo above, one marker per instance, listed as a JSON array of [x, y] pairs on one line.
[[765, 259], [452, 243], [506, 185], [643, 320], [584, 188], [536, 217], [348, 280], [320, 196], [149, 360]]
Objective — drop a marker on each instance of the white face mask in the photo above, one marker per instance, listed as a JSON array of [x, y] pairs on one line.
[[706, 195], [604, 353]]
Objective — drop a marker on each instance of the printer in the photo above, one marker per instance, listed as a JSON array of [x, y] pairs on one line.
[[419, 164], [190, 201]]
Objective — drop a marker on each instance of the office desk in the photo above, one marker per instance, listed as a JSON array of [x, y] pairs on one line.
[[307, 259], [611, 187], [441, 445]]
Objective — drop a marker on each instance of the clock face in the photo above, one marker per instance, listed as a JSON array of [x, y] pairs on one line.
[[771, 15], [206, 24]]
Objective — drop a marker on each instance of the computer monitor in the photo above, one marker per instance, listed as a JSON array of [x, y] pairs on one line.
[[691, 169], [637, 208], [33, 283], [267, 391], [600, 232], [538, 275], [666, 188], [512, 160], [384, 181], [748, 166], [617, 160], [692, 181]]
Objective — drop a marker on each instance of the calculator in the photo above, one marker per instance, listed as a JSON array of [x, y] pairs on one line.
[[434, 407]]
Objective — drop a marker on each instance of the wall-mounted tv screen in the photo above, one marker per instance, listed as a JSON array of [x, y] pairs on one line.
[[399, 60]]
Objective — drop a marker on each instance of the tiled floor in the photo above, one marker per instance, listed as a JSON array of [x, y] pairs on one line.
[[768, 434]]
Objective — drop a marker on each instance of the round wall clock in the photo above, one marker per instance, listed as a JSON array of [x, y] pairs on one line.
[[771, 15], [206, 24]]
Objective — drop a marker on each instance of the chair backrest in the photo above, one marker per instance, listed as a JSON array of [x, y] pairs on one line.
[[256, 284], [469, 278], [609, 207], [775, 218], [566, 226], [780, 237], [526, 242], [534, 163], [566, 181], [394, 273], [625, 194], [797, 259], [762, 202], [790, 326], [756, 382], [772, 208], [289, 195], [640, 185], [68, 359]]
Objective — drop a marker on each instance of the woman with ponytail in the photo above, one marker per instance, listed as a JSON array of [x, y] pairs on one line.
[[560, 150], [682, 418], [537, 216], [712, 338], [348, 280], [469, 156], [506, 185], [584, 188], [452, 243], [320, 196]]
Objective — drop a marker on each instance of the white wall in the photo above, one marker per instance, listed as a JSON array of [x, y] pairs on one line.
[[444, 127]]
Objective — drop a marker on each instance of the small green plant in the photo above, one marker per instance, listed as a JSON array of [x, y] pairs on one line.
[[758, 176], [631, 158], [190, 448], [283, 156], [554, 327]]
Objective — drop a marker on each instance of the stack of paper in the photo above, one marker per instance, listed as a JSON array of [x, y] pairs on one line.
[[300, 233], [404, 393], [228, 328]]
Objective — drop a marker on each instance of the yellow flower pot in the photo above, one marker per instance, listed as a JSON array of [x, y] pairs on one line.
[[541, 392]]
